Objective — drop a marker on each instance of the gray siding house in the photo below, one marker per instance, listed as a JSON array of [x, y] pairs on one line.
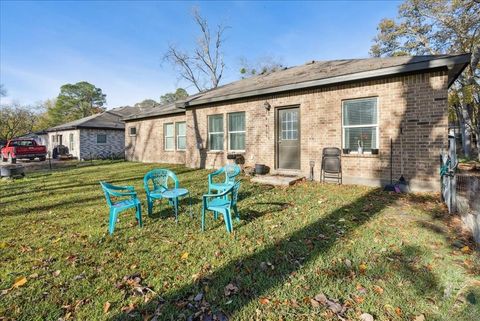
[[96, 136]]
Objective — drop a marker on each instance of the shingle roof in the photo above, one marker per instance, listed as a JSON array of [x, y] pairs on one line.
[[160, 110], [319, 73], [110, 119]]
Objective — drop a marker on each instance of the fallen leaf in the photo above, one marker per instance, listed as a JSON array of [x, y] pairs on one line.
[[420, 317], [230, 289], [56, 273], [366, 317], [106, 307], [33, 276], [314, 303], [465, 249], [348, 263], [398, 311], [129, 308], [264, 301], [321, 298], [377, 289], [19, 282], [184, 256], [362, 268]]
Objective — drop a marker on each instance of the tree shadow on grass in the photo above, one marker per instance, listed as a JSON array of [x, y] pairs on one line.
[[25, 210], [288, 255]]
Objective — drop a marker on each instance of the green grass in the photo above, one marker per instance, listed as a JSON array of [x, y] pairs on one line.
[[392, 256]]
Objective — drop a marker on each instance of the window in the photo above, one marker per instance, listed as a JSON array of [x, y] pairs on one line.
[[236, 131], [360, 124], [215, 132], [133, 131], [101, 138], [181, 130], [290, 125], [169, 135], [71, 142]]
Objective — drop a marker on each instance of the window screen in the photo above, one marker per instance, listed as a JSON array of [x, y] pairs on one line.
[[168, 132], [215, 132], [236, 131], [181, 135]]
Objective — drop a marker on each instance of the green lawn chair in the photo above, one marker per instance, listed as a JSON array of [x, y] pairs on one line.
[[230, 171], [222, 203], [130, 200]]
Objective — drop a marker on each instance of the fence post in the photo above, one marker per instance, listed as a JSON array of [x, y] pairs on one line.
[[453, 167]]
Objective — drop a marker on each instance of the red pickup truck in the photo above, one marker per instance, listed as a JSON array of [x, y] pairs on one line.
[[23, 148]]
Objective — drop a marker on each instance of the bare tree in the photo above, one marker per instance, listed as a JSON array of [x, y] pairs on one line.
[[204, 67], [3, 91], [16, 120]]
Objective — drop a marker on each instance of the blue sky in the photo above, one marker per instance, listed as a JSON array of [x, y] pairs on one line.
[[118, 45]]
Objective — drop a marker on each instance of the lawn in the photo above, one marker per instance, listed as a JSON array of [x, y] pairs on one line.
[[309, 252]]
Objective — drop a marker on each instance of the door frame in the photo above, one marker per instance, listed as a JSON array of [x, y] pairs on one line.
[[276, 129]]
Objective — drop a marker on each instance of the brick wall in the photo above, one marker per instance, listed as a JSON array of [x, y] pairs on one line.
[[148, 144], [90, 148], [416, 102]]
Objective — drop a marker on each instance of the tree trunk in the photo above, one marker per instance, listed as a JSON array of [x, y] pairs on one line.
[[463, 127]]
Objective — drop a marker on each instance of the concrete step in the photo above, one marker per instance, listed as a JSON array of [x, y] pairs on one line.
[[276, 180]]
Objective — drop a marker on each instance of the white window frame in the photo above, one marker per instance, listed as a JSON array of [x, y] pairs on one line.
[[236, 131], [165, 137], [377, 125], [130, 131], [216, 133], [71, 142], [177, 136]]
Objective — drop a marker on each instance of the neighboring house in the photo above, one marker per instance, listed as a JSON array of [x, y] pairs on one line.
[[41, 137], [96, 136], [284, 120]]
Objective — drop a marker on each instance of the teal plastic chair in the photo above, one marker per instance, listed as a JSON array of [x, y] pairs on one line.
[[156, 182], [129, 200], [230, 171], [222, 203]]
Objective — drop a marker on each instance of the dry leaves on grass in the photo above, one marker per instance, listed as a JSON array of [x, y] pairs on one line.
[[132, 285], [230, 289], [362, 268], [366, 317], [19, 282], [332, 304], [106, 307], [377, 289], [264, 301]]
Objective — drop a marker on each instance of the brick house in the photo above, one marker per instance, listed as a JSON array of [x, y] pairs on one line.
[[95, 136], [284, 120]]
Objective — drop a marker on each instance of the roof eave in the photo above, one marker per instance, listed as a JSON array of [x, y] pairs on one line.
[[136, 117], [452, 63]]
